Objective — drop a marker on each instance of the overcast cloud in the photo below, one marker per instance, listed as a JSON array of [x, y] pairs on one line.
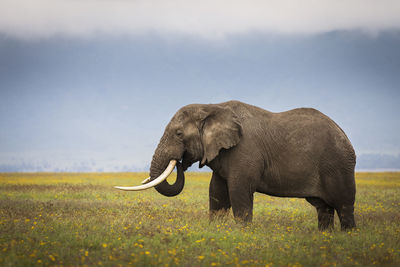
[[210, 19]]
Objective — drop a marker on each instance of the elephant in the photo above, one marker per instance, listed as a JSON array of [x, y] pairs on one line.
[[298, 153]]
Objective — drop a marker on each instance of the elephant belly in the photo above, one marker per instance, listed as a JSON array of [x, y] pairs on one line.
[[303, 185]]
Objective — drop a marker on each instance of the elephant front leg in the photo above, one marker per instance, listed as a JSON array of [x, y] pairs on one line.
[[219, 197], [241, 197]]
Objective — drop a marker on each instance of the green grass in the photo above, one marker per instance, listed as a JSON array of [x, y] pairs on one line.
[[79, 219]]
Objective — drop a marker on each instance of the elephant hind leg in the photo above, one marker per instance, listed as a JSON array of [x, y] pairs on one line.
[[325, 213], [346, 217]]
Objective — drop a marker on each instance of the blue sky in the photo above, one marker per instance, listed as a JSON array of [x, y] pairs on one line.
[[93, 91]]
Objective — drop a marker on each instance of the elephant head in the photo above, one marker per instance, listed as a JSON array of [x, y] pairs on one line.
[[195, 133]]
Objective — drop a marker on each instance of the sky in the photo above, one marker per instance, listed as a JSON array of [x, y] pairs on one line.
[[90, 85]]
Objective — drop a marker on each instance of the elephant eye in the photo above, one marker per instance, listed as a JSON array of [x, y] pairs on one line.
[[179, 133]]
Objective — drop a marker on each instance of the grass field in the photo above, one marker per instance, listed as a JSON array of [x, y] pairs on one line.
[[79, 219]]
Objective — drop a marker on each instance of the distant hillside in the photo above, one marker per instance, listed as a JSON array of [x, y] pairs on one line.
[[364, 162], [378, 161]]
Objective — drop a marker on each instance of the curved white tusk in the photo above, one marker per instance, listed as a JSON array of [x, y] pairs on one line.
[[145, 181], [153, 183]]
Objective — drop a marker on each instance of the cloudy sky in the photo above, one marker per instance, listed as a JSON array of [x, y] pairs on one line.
[[90, 85], [199, 19]]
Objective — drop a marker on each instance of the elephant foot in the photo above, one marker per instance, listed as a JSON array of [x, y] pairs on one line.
[[325, 218], [325, 213], [346, 217]]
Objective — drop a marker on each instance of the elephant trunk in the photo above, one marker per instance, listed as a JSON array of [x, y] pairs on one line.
[[174, 189], [158, 165], [162, 165]]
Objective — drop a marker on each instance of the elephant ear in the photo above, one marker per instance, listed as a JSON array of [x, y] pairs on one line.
[[221, 128]]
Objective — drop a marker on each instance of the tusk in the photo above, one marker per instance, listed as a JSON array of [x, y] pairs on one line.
[[153, 183], [145, 181]]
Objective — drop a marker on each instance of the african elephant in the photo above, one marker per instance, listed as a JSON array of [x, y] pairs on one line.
[[298, 153]]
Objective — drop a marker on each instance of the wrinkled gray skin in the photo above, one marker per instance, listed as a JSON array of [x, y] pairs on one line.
[[298, 153]]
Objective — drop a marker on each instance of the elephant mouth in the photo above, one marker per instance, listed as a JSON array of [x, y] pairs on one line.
[[187, 160]]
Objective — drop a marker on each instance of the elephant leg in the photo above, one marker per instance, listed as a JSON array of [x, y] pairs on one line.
[[241, 197], [219, 196], [346, 217], [325, 213]]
